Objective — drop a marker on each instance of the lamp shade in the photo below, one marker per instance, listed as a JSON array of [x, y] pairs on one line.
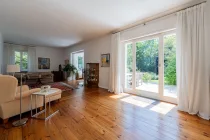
[[13, 68]]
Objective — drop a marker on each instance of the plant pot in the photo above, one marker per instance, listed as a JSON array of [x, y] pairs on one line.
[[66, 75], [71, 76]]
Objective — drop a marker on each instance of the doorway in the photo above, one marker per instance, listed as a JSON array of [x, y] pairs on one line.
[[78, 61]]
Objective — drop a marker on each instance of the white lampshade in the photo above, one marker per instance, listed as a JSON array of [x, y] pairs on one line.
[[13, 68]]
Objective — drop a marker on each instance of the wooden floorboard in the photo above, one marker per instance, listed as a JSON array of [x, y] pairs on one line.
[[95, 114]]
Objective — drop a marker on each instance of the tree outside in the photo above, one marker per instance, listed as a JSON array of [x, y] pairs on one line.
[[147, 56], [21, 59]]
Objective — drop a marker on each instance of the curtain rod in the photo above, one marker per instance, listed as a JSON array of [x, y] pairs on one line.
[[144, 23], [19, 44]]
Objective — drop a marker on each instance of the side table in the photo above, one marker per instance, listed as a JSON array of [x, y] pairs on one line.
[[45, 95]]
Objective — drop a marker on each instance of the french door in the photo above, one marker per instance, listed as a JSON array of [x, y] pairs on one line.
[[150, 66], [78, 62]]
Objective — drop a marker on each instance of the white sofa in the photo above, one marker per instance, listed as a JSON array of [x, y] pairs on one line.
[[10, 98]]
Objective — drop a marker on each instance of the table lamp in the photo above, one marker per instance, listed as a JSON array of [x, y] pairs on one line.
[[13, 69]]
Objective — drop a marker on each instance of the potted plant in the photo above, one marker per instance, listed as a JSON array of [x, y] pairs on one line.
[[69, 71]]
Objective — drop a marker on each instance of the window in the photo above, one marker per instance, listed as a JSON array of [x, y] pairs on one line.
[[21, 59]]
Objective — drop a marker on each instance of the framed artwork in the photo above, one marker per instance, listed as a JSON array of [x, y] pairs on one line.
[[105, 60], [43, 63]]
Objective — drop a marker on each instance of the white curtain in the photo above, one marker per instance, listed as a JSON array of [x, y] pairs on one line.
[[32, 59], [192, 62], [115, 65], [9, 54]]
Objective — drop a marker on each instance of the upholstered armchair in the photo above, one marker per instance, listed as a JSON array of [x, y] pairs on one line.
[[10, 98]]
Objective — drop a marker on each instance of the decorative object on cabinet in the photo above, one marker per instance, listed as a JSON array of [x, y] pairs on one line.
[[105, 60], [60, 67], [92, 74], [66, 61]]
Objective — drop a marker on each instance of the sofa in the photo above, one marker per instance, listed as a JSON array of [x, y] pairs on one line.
[[33, 77], [10, 98]]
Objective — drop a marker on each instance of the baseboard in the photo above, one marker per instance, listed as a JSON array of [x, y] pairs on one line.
[[103, 87]]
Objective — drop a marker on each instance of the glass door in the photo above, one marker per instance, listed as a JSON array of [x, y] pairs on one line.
[[150, 67], [147, 72], [78, 62]]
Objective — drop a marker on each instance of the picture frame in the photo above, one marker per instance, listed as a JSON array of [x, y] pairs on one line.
[[43, 63], [105, 60]]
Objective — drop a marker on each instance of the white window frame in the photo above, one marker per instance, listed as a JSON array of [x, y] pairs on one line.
[[21, 53]]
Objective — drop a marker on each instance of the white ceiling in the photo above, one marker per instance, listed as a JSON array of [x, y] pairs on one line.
[[61, 23]]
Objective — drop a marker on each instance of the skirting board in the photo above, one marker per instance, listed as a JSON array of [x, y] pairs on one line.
[[103, 87]]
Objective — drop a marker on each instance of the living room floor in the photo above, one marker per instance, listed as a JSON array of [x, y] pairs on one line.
[[94, 113]]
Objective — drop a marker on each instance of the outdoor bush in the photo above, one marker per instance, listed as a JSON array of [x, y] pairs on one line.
[[147, 77], [153, 76], [170, 72]]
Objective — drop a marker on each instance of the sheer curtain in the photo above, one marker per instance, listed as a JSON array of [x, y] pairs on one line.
[[9, 54], [192, 62], [115, 65], [31, 59]]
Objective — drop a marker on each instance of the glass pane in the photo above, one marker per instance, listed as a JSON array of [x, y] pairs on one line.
[[24, 61], [80, 65], [147, 65], [80, 62], [17, 58], [170, 65], [129, 66]]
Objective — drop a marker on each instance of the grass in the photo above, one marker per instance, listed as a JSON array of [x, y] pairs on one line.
[[156, 82]]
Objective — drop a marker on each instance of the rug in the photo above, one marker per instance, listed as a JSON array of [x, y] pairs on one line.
[[60, 85]]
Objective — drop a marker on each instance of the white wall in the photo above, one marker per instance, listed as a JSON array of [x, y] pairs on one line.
[[159, 25], [55, 55], [92, 52], [1, 54]]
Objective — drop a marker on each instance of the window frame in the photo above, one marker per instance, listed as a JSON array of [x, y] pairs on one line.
[[21, 55]]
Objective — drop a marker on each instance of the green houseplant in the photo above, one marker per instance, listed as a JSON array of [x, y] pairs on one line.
[[69, 70]]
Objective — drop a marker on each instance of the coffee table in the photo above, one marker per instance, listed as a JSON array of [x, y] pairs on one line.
[[45, 95]]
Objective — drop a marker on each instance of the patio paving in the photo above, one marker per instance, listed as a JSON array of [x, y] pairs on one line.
[[169, 90]]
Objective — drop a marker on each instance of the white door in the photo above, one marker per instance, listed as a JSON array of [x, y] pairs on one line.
[[150, 67], [78, 62]]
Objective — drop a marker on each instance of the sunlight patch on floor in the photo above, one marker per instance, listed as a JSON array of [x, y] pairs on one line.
[[121, 95], [138, 101], [163, 108]]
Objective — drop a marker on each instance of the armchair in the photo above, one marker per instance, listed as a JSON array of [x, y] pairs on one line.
[[10, 98]]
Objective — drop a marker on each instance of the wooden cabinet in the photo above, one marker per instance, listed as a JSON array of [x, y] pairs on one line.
[[57, 76], [92, 74]]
